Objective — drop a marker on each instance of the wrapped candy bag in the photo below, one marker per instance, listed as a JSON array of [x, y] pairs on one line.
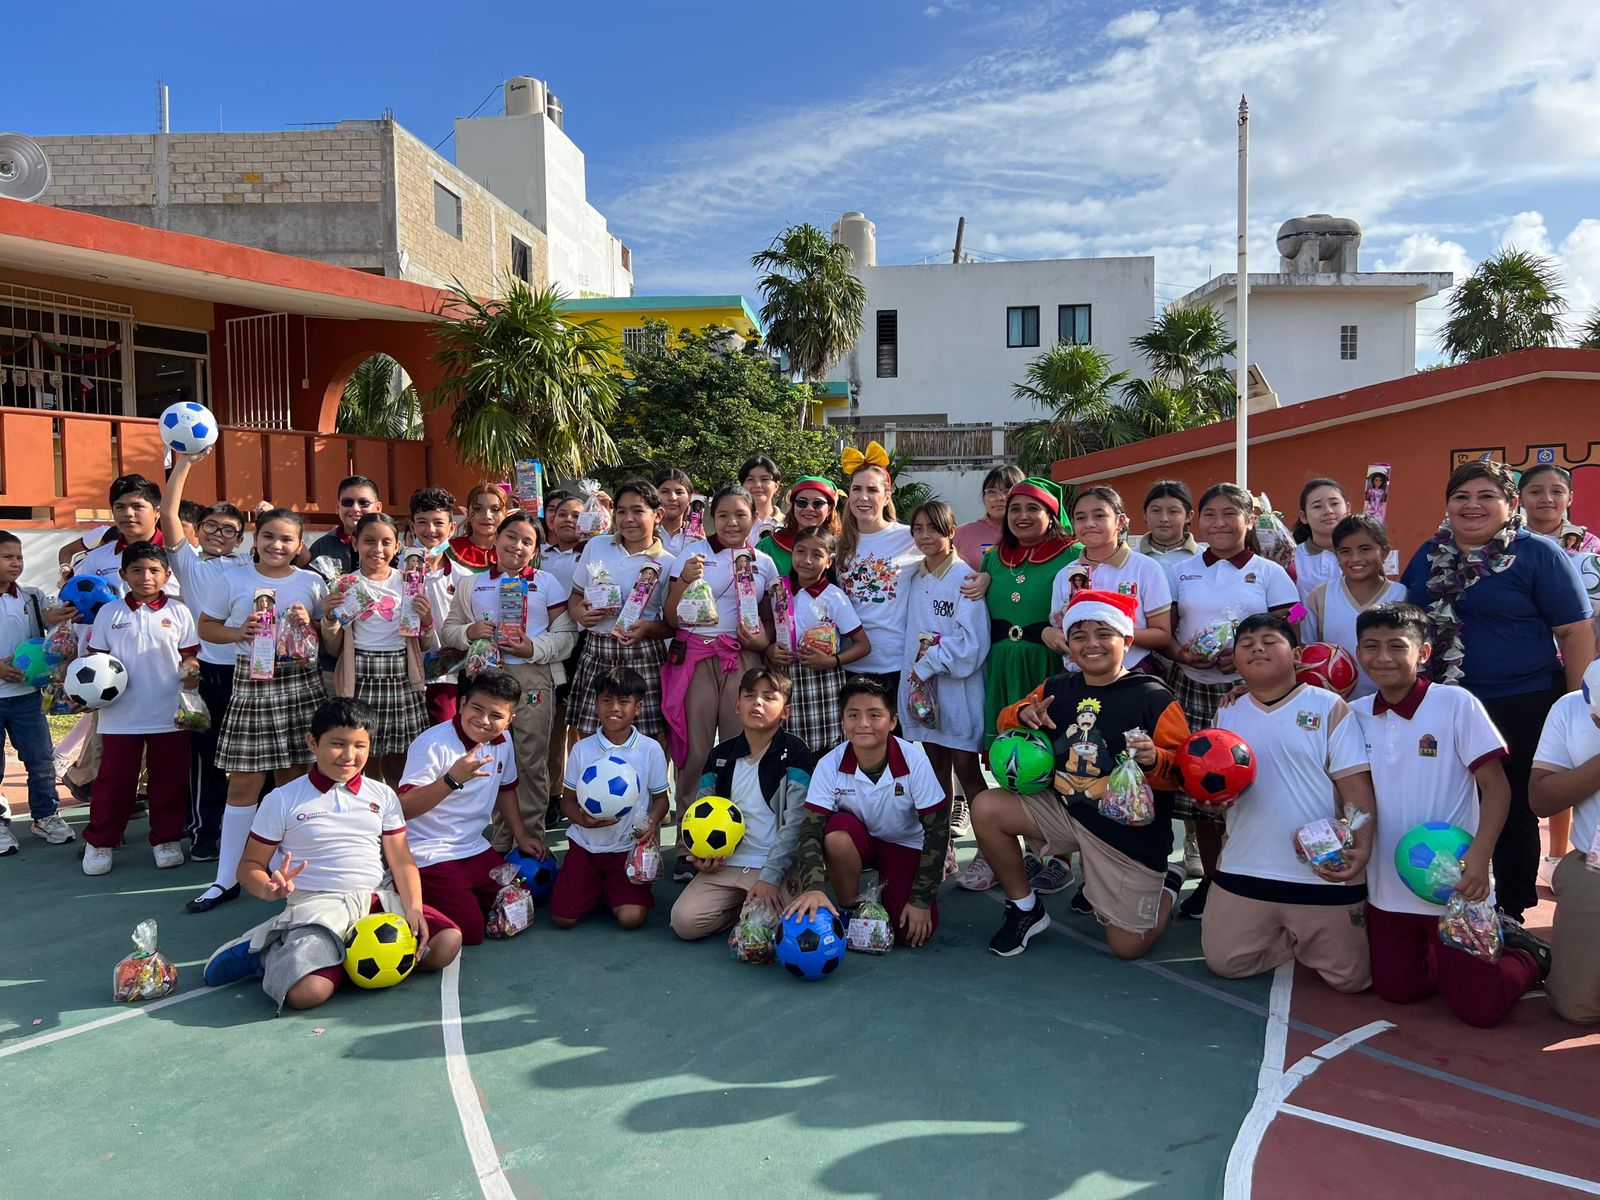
[[297, 641], [1128, 799], [512, 910], [823, 637], [358, 598], [1322, 843], [482, 655], [755, 934], [192, 713], [869, 930], [1470, 925], [697, 608], [1277, 543], [603, 593], [1211, 641], [594, 517], [644, 861], [922, 700], [146, 974]]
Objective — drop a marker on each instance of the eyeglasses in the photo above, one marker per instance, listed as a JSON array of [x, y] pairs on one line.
[[353, 502], [817, 503], [997, 491], [218, 530]]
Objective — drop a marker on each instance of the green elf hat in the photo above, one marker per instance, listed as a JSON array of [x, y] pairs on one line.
[[1046, 491], [815, 483]]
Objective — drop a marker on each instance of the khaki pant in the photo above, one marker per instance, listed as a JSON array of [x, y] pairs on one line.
[[713, 901], [709, 708], [1122, 892], [556, 759], [1574, 984], [530, 739], [1243, 937], [82, 773]]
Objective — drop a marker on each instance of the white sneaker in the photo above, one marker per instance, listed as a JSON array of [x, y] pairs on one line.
[[54, 830], [96, 860], [8, 841], [1547, 869], [976, 876], [169, 854]]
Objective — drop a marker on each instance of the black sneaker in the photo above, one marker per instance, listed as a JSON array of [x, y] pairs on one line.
[[1194, 907], [1518, 938], [553, 816], [1018, 927], [1080, 904], [204, 852]]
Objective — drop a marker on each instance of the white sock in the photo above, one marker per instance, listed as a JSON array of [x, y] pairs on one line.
[[1027, 902], [236, 822]]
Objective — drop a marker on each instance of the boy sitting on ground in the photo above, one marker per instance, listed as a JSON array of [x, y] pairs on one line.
[[343, 838]]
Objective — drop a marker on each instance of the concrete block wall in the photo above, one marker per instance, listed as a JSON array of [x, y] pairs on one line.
[[92, 170]]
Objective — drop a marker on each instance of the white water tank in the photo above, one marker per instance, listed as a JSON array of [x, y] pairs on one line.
[[524, 96], [858, 235]]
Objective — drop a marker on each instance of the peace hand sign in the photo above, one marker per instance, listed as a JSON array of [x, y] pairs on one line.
[[477, 765], [281, 882]]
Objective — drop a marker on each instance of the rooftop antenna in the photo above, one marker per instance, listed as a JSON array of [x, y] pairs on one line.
[[961, 233], [163, 110]]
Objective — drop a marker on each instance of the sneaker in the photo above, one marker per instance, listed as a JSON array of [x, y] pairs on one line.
[[1080, 903], [54, 830], [1018, 928], [554, 818], [1031, 863], [8, 842], [1547, 869], [976, 876], [204, 852], [1518, 938], [169, 854], [960, 817], [1055, 877], [1192, 866], [231, 963], [97, 860], [684, 874], [1194, 907]]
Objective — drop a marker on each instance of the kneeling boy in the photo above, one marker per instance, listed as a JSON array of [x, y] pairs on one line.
[[595, 871], [1093, 716], [766, 772], [458, 774], [1267, 907], [874, 801], [338, 830]]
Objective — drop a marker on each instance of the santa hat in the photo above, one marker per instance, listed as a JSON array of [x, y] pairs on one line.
[[1111, 608]]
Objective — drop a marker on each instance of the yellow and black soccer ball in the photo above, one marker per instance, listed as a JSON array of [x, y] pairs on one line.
[[379, 951], [712, 827]]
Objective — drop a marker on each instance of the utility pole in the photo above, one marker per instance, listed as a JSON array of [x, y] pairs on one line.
[[1241, 418]]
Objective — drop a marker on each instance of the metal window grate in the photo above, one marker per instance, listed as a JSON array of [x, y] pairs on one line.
[[258, 371], [1347, 342], [888, 343], [64, 353]]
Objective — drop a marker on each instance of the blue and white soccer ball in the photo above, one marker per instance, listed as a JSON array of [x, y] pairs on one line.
[[609, 789], [811, 947], [88, 594], [188, 428]]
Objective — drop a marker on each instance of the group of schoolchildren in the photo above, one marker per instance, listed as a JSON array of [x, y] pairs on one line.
[[412, 730]]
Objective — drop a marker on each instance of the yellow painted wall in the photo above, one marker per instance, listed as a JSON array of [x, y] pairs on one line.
[[677, 320]]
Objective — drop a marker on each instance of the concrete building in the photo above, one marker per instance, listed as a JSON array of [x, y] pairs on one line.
[[1321, 325], [526, 159], [944, 343], [625, 317]]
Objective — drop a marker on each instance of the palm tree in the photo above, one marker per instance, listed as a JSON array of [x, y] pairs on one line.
[[1589, 332], [812, 302], [1511, 302], [524, 380], [908, 496], [1187, 348], [373, 407], [1077, 388]]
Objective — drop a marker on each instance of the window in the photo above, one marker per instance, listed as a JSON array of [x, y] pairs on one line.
[[521, 260], [1022, 326], [1347, 342], [169, 365], [1072, 324], [638, 339], [888, 343], [446, 209], [65, 353]]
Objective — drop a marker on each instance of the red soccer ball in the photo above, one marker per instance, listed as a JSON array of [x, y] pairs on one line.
[[1217, 766], [1324, 665]]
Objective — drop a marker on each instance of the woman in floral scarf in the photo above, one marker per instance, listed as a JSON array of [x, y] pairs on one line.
[[1501, 603]]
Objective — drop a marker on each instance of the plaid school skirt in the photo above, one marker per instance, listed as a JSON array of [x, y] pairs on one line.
[[382, 680], [1199, 701], [814, 707], [267, 720], [601, 652]]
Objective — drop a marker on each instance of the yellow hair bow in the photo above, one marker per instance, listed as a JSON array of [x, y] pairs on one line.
[[852, 460]]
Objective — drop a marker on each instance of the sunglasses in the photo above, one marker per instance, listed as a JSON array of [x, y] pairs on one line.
[[818, 503], [352, 502]]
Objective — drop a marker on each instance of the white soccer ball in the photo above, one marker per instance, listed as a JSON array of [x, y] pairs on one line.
[[609, 789], [187, 427], [96, 680]]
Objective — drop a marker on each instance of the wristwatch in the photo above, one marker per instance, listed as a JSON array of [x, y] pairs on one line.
[[452, 783]]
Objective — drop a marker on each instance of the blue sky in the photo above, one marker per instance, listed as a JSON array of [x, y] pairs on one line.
[[1057, 127]]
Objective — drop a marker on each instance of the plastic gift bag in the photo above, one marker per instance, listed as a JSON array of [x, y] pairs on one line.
[[869, 930], [755, 934], [358, 598], [146, 974], [823, 637], [922, 700], [697, 608], [192, 713], [1211, 641], [1128, 799], [1277, 543], [512, 910], [1322, 843], [297, 641], [482, 655], [1473, 926], [594, 518]]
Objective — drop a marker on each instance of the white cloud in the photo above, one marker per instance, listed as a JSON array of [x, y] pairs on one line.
[[1526, 232], [1132, 25]]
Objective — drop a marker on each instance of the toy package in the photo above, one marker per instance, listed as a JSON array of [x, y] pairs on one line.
[[512, 910], [1277, 543], [697, 607], [146, 974], [1128, 799], [869, 930], [410, 588], [527, 486], [358, 598], [482, 655], [192, 713], [297, 641], [754, 934], [744, 591], [1322, 843], [695, 523], [922, 700], [511, 611], [782, 599], [633, 607], [644, 861], [1210, 642], [264, 643], [603, 593]]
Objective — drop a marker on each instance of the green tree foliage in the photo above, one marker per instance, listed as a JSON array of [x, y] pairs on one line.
[[372, 406], [811, 303], [1077, 388], [1511, 302], [1589, 332], [1187, 348]]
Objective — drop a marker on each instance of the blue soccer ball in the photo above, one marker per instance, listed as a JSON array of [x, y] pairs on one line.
[[539, 874], [88, 594], [187, 427], [609, 789], [811, 947]]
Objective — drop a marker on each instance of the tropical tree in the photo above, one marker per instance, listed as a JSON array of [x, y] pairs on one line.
[[1077, 388], [373, 406], [908, 494], [1188, 349], [1589, 332], [1511, 302], [522, 379], [812, 303]]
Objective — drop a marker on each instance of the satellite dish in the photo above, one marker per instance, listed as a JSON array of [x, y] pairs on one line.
[[24, 170]]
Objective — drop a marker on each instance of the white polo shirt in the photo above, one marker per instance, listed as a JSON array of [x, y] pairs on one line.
[[1569, 740], [453, 829], [607, 555], [544, 596], [1128, 573], [563, 564], [201, 582], [105, 560], [1314, 566], [1301, 744], [828, 603], [719, 574], [16, 626], [1211, 589], [889, 807], [234, 600], [1423, 752], [149, 639], [645, 755], [335, 829]]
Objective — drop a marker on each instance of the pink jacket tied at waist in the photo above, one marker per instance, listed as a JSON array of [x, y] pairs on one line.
[[675, 685]]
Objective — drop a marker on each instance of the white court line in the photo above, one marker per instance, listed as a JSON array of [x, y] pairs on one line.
[[1587, 1186], [44, 1039], [485, 1159]]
